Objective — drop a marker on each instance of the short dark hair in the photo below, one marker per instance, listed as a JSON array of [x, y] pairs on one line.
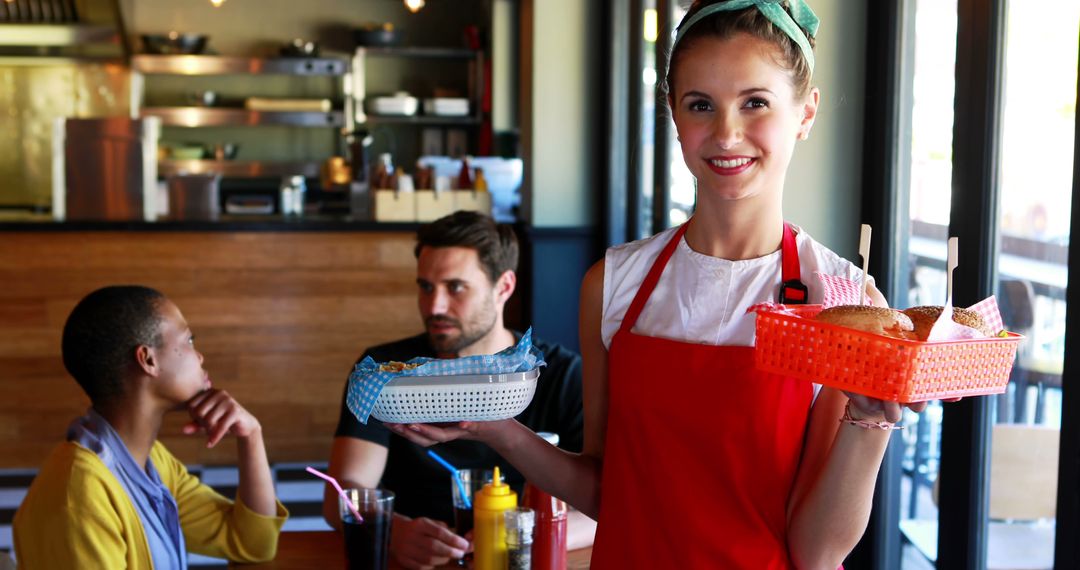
[[102, 333], [496, 244]]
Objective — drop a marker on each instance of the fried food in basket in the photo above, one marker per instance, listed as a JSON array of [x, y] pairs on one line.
[[877, 320], [924, 317], [395, 366]]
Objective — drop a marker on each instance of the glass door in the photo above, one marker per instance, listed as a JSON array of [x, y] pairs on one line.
[[929, 177]]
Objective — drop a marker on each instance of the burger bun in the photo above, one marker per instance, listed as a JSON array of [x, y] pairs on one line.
[[866, 318], [924, 317]]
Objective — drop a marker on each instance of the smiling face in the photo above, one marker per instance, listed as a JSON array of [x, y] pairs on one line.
[[180, 373], [458, 302], [738, 116]]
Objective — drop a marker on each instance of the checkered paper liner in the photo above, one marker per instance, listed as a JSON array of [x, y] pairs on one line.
[[989, 311], [840, 290], [367, 380]]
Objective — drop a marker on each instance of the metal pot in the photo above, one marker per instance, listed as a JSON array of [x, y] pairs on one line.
[[194, 196], [300, 48], [377, 35], [174, 43]]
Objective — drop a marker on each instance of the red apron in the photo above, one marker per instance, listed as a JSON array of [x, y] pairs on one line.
[[701, 449]]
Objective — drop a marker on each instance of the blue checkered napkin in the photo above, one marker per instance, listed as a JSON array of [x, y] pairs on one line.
[[367, 380]]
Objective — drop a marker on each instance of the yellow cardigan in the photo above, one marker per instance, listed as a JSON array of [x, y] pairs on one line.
[[77, 515]]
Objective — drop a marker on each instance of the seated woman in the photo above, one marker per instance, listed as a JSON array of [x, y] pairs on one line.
[[112, 496]]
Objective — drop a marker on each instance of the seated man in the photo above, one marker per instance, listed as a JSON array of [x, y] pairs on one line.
[[465, 273], [112, 496]]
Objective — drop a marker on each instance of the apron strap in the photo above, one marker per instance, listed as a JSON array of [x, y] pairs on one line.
[[792, 289], [647, 286]]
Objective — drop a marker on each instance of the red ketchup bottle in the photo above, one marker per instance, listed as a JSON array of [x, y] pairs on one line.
[[465, 181], [549, 530]]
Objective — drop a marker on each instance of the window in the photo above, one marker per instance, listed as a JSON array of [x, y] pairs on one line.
[[930, 176], [1033, 108], [682, 188]]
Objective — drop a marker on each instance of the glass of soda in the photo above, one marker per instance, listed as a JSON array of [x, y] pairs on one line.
[[367, 542], [472, 480]]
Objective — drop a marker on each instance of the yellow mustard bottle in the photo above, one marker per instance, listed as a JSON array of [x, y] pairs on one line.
[[480, 184], [489, 525]]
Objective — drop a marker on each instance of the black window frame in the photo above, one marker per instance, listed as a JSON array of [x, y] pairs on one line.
[[964, 492]]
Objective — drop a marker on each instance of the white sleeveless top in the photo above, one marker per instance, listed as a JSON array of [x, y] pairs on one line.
[[703, 299]]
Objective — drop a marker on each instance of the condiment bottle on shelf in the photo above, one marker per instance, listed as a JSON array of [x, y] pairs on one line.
[[549, 532], [480, 184], [403, 182], [382, 177], [489, 525], [464, 181], [361, 186], [424, 179], [358, 155]]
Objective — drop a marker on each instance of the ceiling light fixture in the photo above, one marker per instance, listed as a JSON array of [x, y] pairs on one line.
[[217, 3], [414, 5]]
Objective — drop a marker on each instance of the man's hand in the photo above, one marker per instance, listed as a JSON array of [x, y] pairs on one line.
[[217, 413], [423, 543]]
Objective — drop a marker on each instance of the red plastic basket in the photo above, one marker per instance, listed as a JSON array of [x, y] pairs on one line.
[[792, 343]]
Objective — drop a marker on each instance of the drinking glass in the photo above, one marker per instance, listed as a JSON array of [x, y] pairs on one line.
[[472, 480], [367, 543]]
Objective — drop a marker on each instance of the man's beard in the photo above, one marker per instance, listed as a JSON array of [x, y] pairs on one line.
[[471, 332]]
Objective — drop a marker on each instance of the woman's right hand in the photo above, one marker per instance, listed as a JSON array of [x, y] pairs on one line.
[[427, 435]]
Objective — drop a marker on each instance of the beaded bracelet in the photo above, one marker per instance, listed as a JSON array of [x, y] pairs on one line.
[[867, 424]]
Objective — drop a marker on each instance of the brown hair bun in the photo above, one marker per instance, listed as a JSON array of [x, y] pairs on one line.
[[877, 320], [925, 316]]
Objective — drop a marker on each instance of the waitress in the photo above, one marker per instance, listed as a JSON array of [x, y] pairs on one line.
[[693, 458]]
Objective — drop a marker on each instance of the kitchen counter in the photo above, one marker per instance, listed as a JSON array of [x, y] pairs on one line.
[[281, 315], [314, 223]]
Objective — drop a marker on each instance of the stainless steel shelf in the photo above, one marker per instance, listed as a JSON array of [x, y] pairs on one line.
[[373, 119], [239, 168], [228, 65], [38, 35], [57, 60], [428, 52], [218, 117]]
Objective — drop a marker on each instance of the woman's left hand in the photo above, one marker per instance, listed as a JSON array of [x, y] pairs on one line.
[[873, 409], [217, 413]]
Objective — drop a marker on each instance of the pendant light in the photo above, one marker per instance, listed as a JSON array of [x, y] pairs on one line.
[[414, 6]]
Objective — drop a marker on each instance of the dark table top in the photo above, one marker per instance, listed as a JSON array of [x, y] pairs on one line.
[[326, 550]]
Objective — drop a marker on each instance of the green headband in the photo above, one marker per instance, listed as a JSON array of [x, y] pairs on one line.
[[801, 18]]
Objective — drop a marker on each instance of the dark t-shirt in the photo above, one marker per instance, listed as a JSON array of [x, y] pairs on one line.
[[420, 485]]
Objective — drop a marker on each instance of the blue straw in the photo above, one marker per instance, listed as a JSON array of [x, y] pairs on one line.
[[456, 474]]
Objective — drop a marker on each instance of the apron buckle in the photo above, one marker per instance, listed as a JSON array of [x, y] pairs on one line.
[[793, 292]]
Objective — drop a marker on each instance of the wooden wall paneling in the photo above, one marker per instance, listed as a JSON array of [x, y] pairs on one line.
[[279, 317]]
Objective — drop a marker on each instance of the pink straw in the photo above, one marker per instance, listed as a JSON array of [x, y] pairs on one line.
[[332, 481]]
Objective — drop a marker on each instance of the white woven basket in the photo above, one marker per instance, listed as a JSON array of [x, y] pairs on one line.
[[474, 397]]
